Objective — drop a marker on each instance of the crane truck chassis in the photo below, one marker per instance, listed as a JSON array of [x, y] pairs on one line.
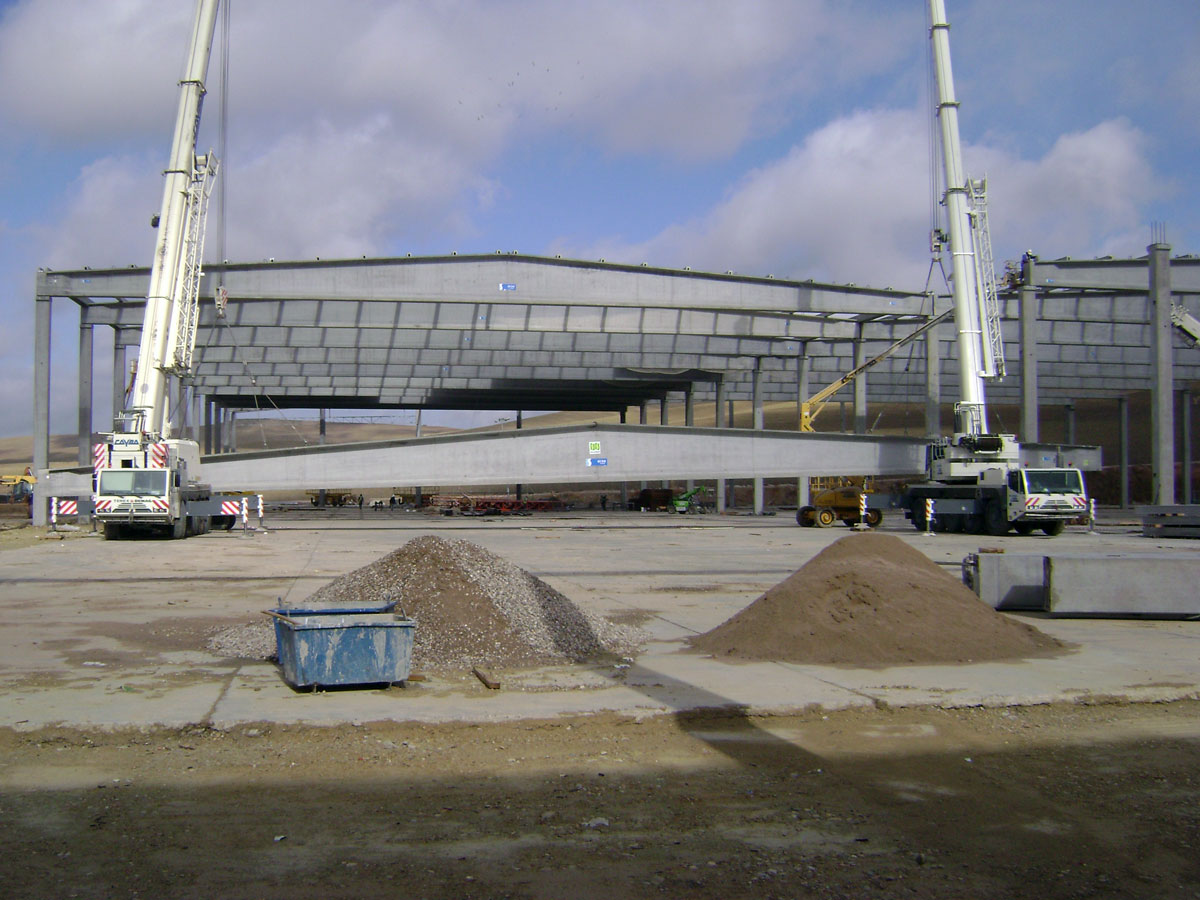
[[147, 487], [975, 479], [1000, 499]]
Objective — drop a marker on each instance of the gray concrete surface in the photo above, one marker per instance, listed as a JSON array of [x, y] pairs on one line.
[[113, 634]]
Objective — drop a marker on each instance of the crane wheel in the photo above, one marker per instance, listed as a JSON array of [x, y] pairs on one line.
[[874, 518], [1054, 529], [995, 519], [825, 517], [804, 516]]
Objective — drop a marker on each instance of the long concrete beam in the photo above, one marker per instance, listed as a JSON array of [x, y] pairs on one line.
[[578, 455], [498, 279], [1131, 275]]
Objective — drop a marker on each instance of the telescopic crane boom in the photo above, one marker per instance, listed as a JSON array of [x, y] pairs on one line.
[[980, 349], [976, 482], [144, 478], [172, 301]]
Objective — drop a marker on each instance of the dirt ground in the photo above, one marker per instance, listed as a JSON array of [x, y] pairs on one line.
[[1047, 802]]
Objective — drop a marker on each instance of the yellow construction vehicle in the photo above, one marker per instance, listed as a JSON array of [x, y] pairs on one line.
[[16, 488], [813, 405], [838, 498]]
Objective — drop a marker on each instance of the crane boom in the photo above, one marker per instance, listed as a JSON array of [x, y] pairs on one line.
[[144, 479], [976, 480], [978, 335], [168, 329]]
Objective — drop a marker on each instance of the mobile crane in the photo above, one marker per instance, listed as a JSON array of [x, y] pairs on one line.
[[975, 477], [146, 479]]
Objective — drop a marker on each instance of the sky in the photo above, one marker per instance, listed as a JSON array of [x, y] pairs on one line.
[[784, 137]]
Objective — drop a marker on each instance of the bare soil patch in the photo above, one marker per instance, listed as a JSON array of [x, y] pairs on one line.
[[1051, 802]]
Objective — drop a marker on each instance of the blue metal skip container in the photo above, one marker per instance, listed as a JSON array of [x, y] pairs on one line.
[[343, 645]]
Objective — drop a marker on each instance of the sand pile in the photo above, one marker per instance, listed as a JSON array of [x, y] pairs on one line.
[[473, 608], [872, 600]]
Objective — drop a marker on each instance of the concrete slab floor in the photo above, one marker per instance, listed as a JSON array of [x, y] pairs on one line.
[[113, 634]]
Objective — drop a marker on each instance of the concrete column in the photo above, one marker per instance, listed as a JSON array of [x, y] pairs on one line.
[[623, 414], [664, 417], [720, 422], [860, 386], [1185, 414], [1069, 423], [520, 487], [321, 437], [118, 375], [41, 401], [933, 383], [1029, 363], [197, 414], [758, 426], [1162, 397], [175, 416], [689, 420], [756, 393], [803, 374], [803, 379], [1123, 422], [85, 395], [233, 431], [644, 412]]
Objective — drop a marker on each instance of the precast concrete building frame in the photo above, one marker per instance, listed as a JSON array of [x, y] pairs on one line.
[[527, 333]]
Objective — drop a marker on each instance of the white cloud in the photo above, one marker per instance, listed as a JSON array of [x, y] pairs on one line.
[[1087, 195], [106, 214], [851, 204], [345, 193], [81, 70], [846, 205], [690, 78]]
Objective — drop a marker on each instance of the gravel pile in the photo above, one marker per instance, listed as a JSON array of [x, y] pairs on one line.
[[473, 608], [255, 641]]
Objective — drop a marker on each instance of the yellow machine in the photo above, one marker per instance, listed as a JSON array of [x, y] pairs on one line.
[[834, 499], [16, 488]]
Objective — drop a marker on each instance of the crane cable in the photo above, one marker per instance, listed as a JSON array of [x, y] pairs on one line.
[[223, 144]]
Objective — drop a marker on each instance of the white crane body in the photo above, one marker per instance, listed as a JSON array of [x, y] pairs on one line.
[[976, 480], [144, 477]]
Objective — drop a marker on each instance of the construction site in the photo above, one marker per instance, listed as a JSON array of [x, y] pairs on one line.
[[944, 648], [621, 703]]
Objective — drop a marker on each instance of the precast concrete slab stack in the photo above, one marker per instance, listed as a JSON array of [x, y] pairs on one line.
[[1151, 585]]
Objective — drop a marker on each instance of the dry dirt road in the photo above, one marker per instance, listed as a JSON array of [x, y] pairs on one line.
[[1045, 802]]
